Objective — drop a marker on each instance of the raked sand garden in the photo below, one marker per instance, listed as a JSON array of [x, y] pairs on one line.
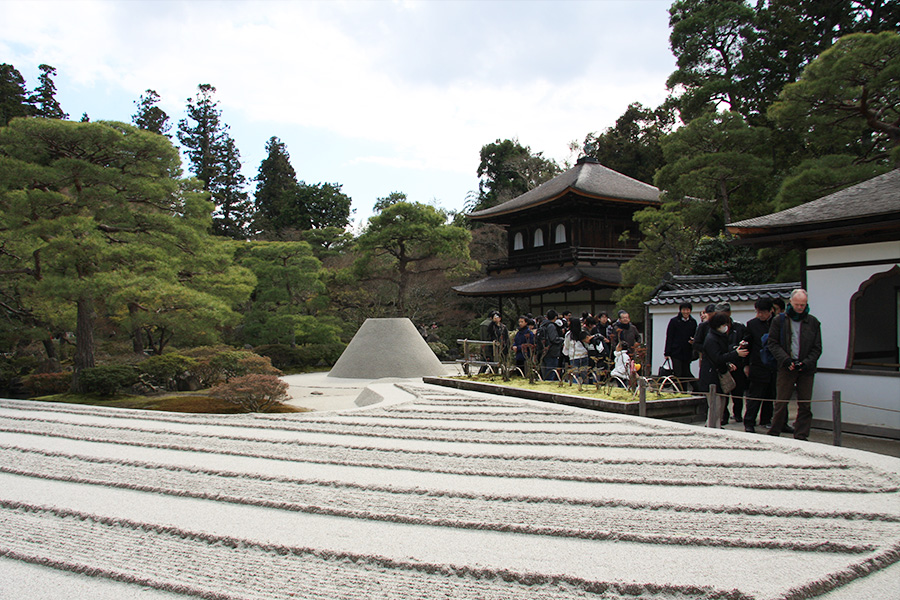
[[419, 491]]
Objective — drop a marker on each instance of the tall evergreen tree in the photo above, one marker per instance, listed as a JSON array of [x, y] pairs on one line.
[[14, 101], [44, 97], [229, 194], [202, 133], [215, 160], [275, 183], [285, 206], [742, 53], [149, 116]]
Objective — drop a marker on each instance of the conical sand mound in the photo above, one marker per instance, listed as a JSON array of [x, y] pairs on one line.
[[387, 348]]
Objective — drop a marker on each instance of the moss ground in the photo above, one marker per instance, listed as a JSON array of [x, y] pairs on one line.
[[588, 390]]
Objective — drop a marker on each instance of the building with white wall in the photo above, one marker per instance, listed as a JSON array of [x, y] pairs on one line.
[[700, 290], [851, 243]]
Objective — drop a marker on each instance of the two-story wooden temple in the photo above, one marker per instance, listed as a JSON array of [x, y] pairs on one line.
[[564, 245]]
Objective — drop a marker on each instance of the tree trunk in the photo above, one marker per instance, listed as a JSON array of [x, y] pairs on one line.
[[726, 208], [53, 365], [84, 338], [137, 339], [403, 283]]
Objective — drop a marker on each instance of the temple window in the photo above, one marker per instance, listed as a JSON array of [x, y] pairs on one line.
[[560, 234], [519, 241], [538, 238]]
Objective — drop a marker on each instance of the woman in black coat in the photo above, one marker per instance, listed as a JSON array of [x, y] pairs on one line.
[[718, 354]]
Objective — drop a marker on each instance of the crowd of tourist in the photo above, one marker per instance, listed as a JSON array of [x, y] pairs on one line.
[[766, 360], [557, 341]]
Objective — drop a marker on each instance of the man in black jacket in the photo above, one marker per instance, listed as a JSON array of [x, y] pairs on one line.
[[761, 388], [679, 339], [795, 341], [549, 344]]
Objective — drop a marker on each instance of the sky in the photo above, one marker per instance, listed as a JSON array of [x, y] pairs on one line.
[[377, 96]]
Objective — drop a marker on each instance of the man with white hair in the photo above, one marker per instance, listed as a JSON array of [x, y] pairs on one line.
[[795, 340]]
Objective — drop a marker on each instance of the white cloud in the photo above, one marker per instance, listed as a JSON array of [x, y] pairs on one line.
[[429, 82]]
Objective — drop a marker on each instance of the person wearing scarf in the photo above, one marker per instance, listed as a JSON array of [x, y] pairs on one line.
[[795, 340]]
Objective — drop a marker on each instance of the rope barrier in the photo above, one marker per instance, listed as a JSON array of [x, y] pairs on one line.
[[829, 401], [867, 406]]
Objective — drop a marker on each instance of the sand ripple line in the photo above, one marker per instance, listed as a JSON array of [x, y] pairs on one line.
[[225, 568], [629, 439], [560, 518], [636, 473]]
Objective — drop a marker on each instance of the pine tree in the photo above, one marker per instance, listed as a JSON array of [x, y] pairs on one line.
[[44, 97], [149, 116], [215, 160], [14, 101]]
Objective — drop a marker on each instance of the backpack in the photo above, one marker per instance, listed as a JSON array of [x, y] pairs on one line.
[[540, 339], [765, 355]]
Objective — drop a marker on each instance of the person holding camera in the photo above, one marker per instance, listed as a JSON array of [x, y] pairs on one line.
[[720, 356], [795, 341]]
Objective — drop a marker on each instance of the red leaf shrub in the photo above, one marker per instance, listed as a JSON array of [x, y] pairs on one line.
[[45, 384], [253, 393]]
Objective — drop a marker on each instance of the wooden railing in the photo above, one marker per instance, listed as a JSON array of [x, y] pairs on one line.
[[578, 254]]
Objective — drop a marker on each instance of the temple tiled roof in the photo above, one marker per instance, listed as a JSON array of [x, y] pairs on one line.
[[878, 197], [705, 289], [588, 177], [539, 281]]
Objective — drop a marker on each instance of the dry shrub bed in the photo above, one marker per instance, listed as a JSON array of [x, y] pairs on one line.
[[587, 390]]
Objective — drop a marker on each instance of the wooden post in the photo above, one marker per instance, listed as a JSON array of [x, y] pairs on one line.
[[713, 418], [642, 396], [836, 416]]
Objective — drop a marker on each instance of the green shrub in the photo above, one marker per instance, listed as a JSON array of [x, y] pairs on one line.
[[108, 380], [45, 384], [164, 370], [253, 393], [312, 355], [440, 349], [306, 355], [282, 356], [12, 369]]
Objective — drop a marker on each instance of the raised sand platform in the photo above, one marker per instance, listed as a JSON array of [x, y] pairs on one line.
[[429, 492]]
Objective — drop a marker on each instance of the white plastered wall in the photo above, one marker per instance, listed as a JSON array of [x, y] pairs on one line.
[[830, 290], [661, 314]]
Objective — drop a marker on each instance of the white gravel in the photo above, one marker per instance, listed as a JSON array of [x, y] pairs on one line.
[[427, 492]]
